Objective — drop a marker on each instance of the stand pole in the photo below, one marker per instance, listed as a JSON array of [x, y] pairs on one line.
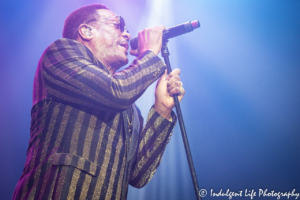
[[165, 53]]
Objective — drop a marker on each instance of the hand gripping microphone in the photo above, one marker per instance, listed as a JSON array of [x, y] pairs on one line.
[[172, 32]]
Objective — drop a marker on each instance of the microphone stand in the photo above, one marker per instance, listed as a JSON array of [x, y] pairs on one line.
[[165, 54]]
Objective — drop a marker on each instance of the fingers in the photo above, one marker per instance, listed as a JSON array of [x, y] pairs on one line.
[[150, 39], [174, 80], [174, 85], [174, 74], [177, 90], [180, 97]]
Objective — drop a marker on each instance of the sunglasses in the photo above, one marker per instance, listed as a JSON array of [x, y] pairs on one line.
[[121, 25]]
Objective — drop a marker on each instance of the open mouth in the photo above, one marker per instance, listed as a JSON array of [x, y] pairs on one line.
[[126, 46]]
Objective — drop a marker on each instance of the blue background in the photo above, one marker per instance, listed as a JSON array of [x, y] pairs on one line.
[[240, 71]]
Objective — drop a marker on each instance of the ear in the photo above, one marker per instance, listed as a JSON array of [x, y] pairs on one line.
[[85, 32]]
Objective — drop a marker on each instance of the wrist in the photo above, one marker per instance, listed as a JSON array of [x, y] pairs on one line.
[[163, 111]]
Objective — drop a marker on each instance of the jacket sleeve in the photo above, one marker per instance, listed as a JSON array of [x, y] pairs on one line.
[[72, 74], [152, 143]]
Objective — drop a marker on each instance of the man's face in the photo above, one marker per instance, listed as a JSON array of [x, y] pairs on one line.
[[110, 44]]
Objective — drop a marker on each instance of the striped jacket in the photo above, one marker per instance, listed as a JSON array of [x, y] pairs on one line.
[[80, 145]]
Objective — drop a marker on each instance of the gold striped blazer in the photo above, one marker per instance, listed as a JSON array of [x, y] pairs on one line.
[[79, 141]]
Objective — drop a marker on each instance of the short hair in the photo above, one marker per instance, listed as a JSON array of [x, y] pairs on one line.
[[80, 16]]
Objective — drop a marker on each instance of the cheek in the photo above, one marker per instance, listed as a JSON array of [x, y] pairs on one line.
[[109, 37], [109, 42]]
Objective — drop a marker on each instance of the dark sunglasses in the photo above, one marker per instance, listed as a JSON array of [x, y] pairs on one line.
[[121, 25]]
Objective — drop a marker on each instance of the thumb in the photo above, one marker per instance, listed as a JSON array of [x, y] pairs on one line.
[[162, 78], [134, 52]]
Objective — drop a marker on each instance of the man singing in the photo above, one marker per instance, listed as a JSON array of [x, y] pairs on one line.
[[87, 139]]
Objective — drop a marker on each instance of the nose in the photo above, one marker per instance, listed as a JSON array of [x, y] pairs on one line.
[[126, 35]]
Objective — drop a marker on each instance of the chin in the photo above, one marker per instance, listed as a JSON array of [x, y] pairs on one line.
[[120, 60], [123, 61]]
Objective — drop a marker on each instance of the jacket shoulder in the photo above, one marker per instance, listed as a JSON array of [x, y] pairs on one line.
[[67, 49]]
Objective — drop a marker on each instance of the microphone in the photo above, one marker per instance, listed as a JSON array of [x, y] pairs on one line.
[[172, 32]]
